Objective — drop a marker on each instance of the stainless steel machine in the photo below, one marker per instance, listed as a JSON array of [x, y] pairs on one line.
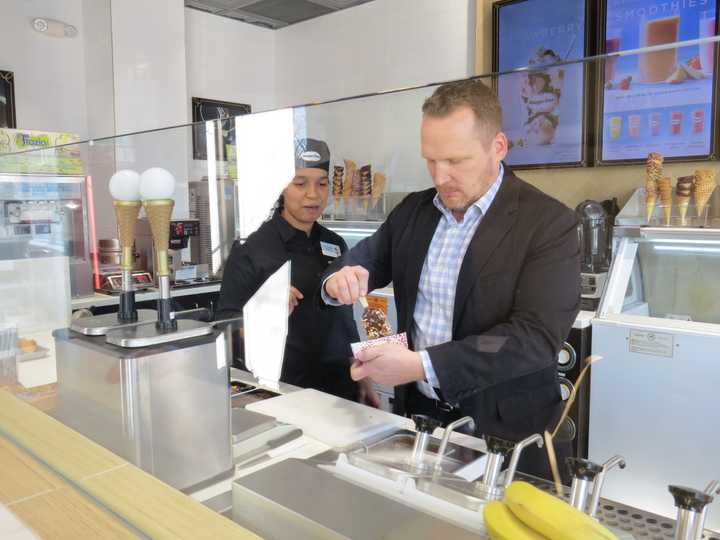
[[165, 408]]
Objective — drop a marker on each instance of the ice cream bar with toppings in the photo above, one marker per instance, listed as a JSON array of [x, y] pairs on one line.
[[375, 323]]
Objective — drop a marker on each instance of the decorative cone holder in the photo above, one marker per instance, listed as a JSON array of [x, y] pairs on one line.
[[158, 213], [127, 213]]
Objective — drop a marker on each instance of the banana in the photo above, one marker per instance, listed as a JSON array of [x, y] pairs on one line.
[[551, 516], [501, 524]]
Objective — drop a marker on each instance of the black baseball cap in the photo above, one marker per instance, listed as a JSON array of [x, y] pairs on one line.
[[312, 154]]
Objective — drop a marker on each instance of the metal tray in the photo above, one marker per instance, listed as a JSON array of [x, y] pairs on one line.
[[391, 457]]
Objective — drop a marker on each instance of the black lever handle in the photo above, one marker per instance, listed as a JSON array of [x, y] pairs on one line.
[[583, 469], [689, 498], [424, 423], [496, 445]]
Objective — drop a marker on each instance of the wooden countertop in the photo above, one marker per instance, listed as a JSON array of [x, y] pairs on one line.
[[50, 474], [48, 505]]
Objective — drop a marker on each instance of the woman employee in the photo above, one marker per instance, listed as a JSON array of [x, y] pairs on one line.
[[317, 349]]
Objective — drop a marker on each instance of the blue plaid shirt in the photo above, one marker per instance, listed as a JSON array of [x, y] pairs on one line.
[[433, 316]]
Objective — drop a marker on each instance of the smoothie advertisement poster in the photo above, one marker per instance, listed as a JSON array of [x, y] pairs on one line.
[[544, 109], [660, 101]]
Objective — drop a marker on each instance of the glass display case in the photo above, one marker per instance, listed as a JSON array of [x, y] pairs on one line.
[[658, 327]]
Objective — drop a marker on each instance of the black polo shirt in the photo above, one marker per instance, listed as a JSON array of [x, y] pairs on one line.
[[317, 350]]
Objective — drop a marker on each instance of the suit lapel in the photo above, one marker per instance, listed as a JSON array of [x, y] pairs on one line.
[[422, 234], [500, 218]]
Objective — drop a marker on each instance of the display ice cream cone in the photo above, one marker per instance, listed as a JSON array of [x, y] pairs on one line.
[[126, 213], [704, 187], [683, 192], [682, 204], [653, 175], [653, 168], [650, 202], [337, 185], [350, 168], [665, 189], [378, 188], [158, 213], [365, 186]]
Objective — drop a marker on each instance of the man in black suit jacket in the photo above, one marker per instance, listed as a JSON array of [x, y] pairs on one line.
[[510, 294]]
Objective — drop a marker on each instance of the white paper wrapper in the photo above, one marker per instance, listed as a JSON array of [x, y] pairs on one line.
[[395, 338]]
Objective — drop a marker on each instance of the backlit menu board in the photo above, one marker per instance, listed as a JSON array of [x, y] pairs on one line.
[[544, 109], [659, 101]]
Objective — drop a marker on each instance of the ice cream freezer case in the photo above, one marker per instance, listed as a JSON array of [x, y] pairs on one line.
[[654, 396], [47, 216]]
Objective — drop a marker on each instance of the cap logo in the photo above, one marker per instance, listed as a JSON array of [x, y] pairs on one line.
[[310, 156]]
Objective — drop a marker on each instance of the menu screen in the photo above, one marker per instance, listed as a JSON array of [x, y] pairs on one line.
[[543, 109], [659, 101]]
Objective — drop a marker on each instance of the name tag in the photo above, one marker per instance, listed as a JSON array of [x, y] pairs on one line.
[[330, 250]]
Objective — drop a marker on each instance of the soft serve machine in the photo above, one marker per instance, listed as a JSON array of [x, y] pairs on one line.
[[132, 381]]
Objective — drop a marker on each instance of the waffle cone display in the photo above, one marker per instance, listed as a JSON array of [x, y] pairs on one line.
[[365, 185], [350, 169], [653, 175], [704, 186], [683, 192], [159, 213], [378, 187], [126, 213], [665, 190]]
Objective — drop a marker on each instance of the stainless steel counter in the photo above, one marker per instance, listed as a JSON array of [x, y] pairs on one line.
[[295, 499]]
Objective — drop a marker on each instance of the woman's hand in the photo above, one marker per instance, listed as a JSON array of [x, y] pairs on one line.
[[294, 300]]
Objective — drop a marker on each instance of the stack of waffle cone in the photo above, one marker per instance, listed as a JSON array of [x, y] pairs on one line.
[[683, 191], [653, 174], [126, 213], [158, 213], [704, 186], [665, 188]]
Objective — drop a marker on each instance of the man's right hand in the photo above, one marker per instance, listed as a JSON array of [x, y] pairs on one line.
[[348, 284]]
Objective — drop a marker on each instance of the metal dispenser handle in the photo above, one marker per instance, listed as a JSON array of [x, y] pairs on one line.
[[446, 437], [712, 489], [515, 457], [490, 488], [615, 461], [584, 474], [692, 507]]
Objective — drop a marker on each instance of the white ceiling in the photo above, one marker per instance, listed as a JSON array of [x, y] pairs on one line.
[[272, 13]]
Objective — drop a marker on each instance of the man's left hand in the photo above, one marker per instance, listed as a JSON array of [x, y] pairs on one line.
[[390, 364]]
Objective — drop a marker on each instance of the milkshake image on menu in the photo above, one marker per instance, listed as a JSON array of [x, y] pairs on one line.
[[655, 121], [676, 122], [615, 127], [698, 121], [634, 125], [707, 50], [657, 66]]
